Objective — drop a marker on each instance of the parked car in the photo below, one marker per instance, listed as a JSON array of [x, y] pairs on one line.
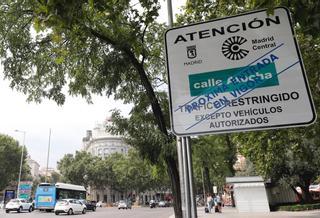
[[124, 204], [91, 205], [163, 204], [18, 205], [69, 206], [101, 204]]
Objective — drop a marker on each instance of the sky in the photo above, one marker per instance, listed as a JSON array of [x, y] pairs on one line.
[[68, 123]]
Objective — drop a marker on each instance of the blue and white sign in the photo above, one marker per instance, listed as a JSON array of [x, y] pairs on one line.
[[237, 73]]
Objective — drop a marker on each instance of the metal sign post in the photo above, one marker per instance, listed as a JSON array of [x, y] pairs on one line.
[[189, 209], [188, 206]]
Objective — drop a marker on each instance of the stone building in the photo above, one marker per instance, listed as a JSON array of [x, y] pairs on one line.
[[34, 167], [101, 143]]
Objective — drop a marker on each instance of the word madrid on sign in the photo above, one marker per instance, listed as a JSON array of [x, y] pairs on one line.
[[237, 73]]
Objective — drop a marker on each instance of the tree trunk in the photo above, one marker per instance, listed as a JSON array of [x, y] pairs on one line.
[[175, 185], [206, 176], [305, 194], [231, 155], [297, 193]]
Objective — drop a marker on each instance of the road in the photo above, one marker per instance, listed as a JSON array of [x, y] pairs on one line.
[[143, 212]]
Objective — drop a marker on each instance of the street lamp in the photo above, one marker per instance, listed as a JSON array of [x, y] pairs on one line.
[[21, 160]]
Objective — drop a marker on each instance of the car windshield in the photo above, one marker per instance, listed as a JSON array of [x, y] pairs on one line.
[[62, 201], [121, 201], [14, 201]]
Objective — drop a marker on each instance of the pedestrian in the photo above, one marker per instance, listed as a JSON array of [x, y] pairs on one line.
[[219, 202], [209, 202]]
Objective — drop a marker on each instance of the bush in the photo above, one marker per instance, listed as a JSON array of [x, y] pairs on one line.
[[299, 207]]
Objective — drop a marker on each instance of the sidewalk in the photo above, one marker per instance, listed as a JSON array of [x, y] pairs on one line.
[[229, 212]]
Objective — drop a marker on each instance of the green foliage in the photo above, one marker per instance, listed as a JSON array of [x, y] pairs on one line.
[[120, 172], [89, 46], [306, 14], [214, 153], [133, 173], [290, 155], [83, 169], [141, 132], [299, 207], [10, 155]]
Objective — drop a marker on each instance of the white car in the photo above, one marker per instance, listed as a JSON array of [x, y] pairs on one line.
[[163, 204], [69, 206], [101, 204], [124, 205], [18, 205]]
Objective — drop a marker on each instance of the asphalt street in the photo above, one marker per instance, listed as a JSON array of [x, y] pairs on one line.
[[145, 212], [110, 212]]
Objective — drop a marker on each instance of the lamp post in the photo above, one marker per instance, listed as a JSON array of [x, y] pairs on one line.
[[45, 180], [21, 160]]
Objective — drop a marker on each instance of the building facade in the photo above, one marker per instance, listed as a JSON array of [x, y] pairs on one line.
[[34, 167], [47, 172], [102, 143]]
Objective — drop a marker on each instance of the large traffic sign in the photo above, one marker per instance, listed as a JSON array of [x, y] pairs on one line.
[[237, 73]]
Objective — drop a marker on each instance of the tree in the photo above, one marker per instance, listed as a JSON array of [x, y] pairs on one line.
[[213, 157], [101, 47], [83, 169], [10, 156], [125, 173], [132, 173]]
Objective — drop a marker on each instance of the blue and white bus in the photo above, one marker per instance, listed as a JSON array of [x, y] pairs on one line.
[[48, 194]]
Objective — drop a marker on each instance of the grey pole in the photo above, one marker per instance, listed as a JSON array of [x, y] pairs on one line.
[[170, 16], [190, 174], [48, 153], [21, 160], [186, 177], [181, 175]]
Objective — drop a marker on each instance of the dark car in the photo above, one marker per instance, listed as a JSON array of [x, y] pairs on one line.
[[91, 205]]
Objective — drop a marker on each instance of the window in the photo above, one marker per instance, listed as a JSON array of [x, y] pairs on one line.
[[64, 193]]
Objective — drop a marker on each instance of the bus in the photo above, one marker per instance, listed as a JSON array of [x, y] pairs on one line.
[[48, 194]]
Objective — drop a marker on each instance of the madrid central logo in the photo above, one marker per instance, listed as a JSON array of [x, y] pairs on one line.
[[231, 48]]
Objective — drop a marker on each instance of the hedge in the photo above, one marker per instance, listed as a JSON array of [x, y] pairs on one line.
[[299, 207]]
